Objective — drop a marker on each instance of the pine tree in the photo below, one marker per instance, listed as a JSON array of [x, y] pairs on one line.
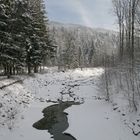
[[41, 41], [6, 58], [3, 32], [24, 38], [20, 29]]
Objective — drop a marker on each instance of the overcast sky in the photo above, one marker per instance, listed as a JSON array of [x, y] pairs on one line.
[[93, 13]]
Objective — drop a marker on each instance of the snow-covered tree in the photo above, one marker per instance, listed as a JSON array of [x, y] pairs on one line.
[[6, 47], [41, 43], [24, 37]]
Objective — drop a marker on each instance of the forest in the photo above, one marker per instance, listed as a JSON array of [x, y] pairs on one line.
[[24, 37], [117, 52], [126, 71]]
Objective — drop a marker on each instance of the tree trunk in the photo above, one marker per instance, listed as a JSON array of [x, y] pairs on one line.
[[35, 69], [29, 68]]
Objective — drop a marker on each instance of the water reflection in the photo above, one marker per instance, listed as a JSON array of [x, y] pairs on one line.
[[56, 121]]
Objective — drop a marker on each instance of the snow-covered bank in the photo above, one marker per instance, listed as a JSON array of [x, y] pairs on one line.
[[93, 119], [13, 99], [61, 85], [123, 90], [97, 120]]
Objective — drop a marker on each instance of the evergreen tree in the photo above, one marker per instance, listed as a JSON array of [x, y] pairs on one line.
[[21, 28], [41, 42], [24, 38], [6, 57]]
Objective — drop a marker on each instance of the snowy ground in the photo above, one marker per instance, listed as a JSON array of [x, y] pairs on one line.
[[21, 105]]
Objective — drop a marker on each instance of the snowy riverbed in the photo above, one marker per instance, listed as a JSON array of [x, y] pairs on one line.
[[92, 119]]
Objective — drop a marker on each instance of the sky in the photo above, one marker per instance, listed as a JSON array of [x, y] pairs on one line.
[[92, 13]]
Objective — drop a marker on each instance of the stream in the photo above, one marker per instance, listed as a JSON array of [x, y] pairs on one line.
[[55, 121]]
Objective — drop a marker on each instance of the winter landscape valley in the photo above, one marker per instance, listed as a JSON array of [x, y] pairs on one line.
[[72, 104], [70, 70]]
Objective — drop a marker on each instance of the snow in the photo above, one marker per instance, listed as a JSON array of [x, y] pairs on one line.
[[12, 100], [97, 41], [96, 120], [93, 119]]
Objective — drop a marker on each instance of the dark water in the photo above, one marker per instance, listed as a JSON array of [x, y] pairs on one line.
[[55, 120]]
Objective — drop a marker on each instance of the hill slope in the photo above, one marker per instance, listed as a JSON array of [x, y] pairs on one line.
[[79, 45]]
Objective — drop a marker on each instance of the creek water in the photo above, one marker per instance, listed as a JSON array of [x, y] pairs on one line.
[[55, 121]]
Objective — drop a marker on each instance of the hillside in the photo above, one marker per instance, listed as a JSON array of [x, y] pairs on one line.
[[85, 45]]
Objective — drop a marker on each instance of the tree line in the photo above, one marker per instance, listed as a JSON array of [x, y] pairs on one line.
[[80, 46], [124, 77], [24, 36]]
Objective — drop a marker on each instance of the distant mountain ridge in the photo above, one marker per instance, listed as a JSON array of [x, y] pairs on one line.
[[58, 24], [92, 43]]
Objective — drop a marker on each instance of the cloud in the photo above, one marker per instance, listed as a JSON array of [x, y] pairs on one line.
[[92, 13], [83, 12]]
